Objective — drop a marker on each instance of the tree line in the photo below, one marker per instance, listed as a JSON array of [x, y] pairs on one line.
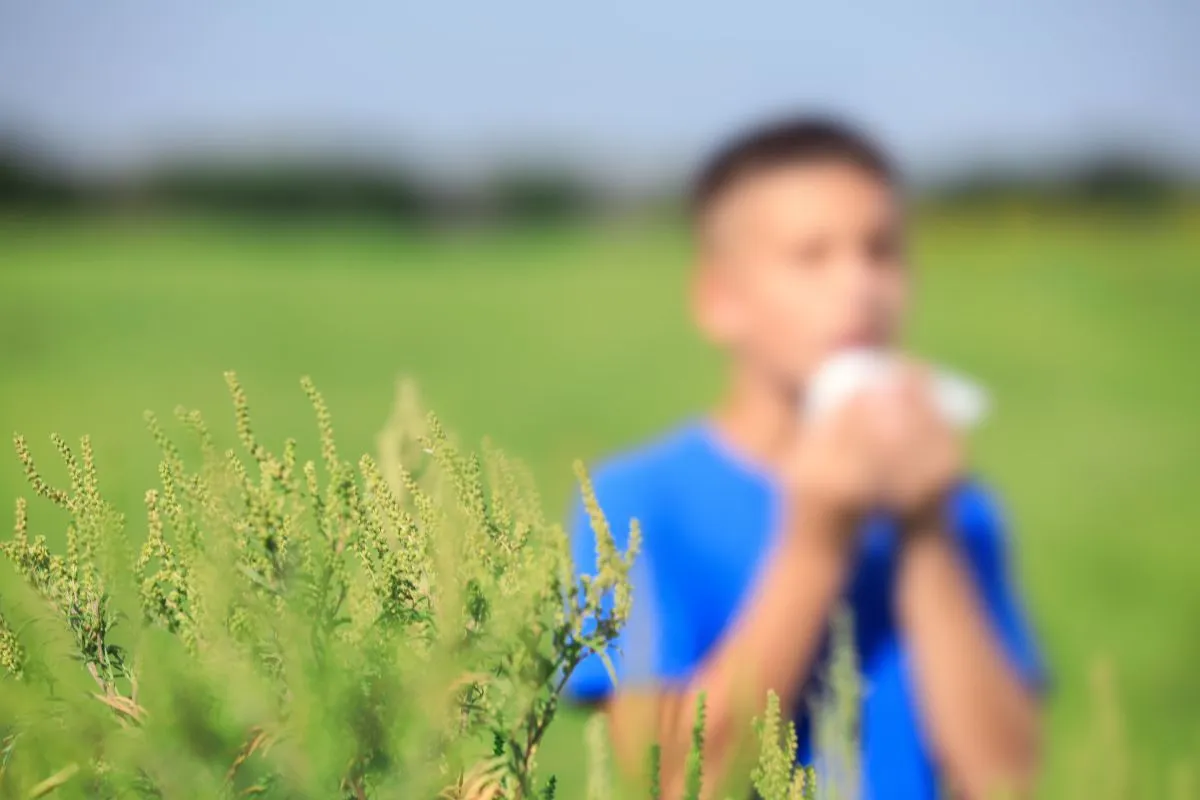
[[332, 186]]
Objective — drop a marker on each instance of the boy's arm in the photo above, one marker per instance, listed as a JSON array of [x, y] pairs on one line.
[[771, 646], [774, 640], [982, 718]]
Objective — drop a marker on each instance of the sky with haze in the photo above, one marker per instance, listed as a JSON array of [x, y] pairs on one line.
[[635, 88]]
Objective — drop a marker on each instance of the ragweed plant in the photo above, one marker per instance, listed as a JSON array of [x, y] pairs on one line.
[[278, 626], [836, 711], [393, 627], [835, 720], [777, 775]]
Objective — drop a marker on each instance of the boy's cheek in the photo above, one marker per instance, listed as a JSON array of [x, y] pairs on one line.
[[798, 337], [791, 356]]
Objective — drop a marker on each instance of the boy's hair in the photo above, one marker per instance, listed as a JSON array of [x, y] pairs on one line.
[[792, 140]]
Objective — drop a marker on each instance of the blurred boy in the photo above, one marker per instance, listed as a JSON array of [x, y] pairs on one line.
[[756, 525]]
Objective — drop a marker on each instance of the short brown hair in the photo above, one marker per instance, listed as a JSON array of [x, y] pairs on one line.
[[782, 142]]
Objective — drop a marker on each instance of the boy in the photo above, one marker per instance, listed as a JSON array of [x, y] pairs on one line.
[[755, 524]]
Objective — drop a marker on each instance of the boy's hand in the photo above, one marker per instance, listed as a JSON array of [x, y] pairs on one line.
[[831, 476], [888, 448], [920, 455]]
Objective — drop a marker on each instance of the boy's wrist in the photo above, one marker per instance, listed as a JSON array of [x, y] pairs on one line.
[[925, 521], [926, 557], [927, 514], [925, 534], [823, 534]]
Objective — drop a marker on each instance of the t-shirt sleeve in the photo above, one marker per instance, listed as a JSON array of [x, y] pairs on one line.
[[986, 542], [631, 659]]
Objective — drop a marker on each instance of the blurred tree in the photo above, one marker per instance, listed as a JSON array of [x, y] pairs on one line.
[[30, 181], [1115, 181], [1125, 181], [289, 188], [539, 193]]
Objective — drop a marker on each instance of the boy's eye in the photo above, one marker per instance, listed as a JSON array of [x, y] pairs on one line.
[[884, 247], [811, 253]]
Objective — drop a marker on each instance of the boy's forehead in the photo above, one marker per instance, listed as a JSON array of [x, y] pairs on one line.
[[793, 198]]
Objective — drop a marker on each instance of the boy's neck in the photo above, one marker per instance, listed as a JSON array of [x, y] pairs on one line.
[[758, 417]]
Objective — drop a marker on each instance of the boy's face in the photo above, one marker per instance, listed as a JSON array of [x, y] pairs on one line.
[[800, 261]]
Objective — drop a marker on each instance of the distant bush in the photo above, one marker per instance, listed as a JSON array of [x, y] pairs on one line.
[[299, 187], [538, 194], [537, 190], [28, 183], [1120, 182], [290, 189]]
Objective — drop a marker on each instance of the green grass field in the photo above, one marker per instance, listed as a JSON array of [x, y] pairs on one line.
[[570, 344]]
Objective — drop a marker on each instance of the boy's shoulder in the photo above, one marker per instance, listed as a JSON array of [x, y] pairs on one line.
[[637, 481], [650, 460], [976, 510]]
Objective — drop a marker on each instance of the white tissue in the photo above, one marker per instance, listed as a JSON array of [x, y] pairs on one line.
[[961, 401]]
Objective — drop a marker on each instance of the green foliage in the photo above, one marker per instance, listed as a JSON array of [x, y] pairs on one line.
[[835, 721], [694, 767], [777, 776], [600, 769], [298, 629], [400, 627], [655, 770], [835, 713]]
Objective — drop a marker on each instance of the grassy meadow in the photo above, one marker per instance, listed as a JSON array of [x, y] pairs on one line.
[[565, 344]]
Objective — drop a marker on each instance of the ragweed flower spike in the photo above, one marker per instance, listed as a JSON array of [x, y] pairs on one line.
[[90, 488], [40, 487], [777, 776], [599, 757], [21, 525], [12, 654], [693, 780], [73, 471], [170, 454], [324, 424], [241, 414]]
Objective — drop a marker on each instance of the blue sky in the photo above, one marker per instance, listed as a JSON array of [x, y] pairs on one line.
[[635, 86]]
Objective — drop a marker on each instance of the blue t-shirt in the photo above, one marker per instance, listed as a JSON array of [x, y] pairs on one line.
[[708, 522]]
